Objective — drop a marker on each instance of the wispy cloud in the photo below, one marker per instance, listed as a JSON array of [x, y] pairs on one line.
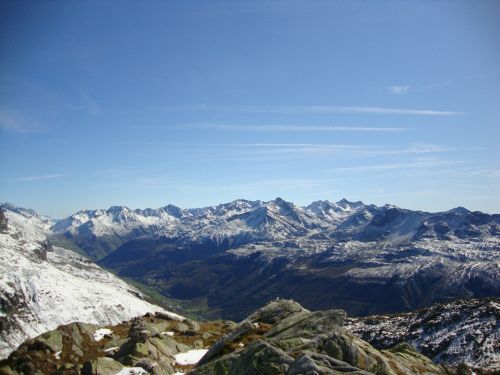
[[86, 103], [322, 149], [483, 172], [418, 148], [419, 164], [435, 85], [399, 89], [36, 178], [311, 109], [276, 151], [16, 122], [297, 128]]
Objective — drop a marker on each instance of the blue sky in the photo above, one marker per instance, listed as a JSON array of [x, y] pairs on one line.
[[196, 103]]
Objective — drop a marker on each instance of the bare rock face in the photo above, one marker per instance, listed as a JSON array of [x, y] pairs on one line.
[[102, 366], [276, 311], [45, 247], [138, 331], [3, 222]]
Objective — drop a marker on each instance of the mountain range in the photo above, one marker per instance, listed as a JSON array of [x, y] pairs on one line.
[[100, 232], [228, 258], [225, 260]]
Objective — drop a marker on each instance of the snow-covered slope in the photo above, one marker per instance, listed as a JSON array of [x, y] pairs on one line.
[[461, 331], [42, 286]]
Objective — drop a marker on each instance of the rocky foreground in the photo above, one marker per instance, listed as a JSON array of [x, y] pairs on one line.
[[156, 343], [280, 338]]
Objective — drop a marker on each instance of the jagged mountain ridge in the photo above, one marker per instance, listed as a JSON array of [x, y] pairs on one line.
[[100, 232], [43, 286], [363, 258]]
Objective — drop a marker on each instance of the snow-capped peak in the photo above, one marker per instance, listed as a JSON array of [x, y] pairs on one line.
[[348, 205], [174, 211], [334, 212], [459, 210]]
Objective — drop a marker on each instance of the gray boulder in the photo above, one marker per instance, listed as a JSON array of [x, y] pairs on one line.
[[101, 366]]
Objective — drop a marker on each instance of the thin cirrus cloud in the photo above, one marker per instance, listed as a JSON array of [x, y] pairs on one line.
[[311, 109], [297, 128], [18, 123], [399, 89], [419, 164], [284, 151], [248, 151], [314, 148], [36, 178]]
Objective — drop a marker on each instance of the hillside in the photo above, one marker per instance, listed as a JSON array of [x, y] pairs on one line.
[[43, 286], [462, 331]]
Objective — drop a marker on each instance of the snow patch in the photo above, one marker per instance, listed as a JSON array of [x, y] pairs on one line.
[[190, 357], [132, 371], [101, 332]]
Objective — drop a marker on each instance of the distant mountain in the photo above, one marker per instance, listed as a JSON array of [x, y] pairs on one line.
[[27, 212], [99, 232], [364, 258], [462, 331], [43, 286]]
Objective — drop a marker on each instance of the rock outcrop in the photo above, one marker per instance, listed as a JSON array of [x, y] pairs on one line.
[[284, 338], [280, 338], [3, 222], [148, 344]]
